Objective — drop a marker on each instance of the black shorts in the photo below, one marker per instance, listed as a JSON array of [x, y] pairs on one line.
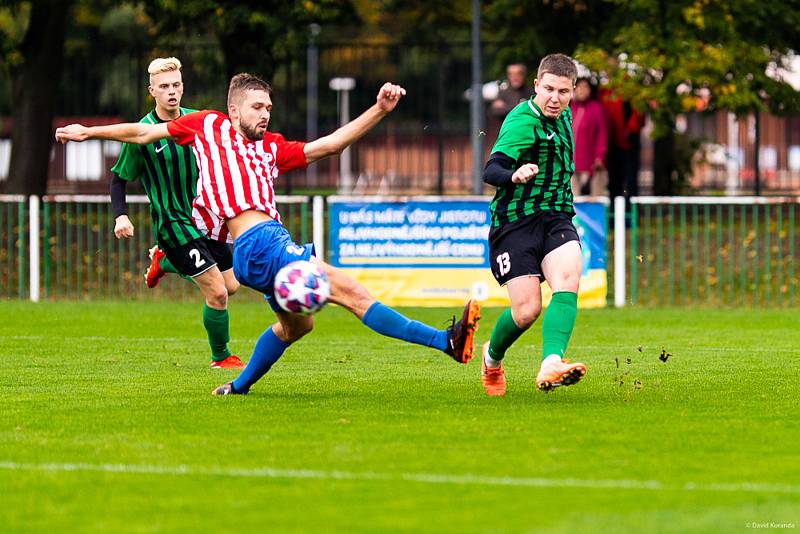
[[199, 255], [518, 248]]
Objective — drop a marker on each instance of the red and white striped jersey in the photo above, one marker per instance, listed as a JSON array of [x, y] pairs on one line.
[[234, 174]]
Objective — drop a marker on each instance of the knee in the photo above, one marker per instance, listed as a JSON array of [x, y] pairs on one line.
[[348, 293], [217, 297], [569, 282], [298, 330], [232, 286], [525, 316]]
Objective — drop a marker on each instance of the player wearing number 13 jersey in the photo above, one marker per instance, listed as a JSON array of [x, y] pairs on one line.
[[532, 238]]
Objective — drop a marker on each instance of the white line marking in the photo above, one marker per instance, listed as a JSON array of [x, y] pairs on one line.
[[423, 478]]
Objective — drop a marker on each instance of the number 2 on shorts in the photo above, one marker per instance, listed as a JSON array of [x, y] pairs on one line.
[[195, 255], [504, 263]]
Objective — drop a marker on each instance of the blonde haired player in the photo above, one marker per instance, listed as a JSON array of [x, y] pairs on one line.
[[168, 173]]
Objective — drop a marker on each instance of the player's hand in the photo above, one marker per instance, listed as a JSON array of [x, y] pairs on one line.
[[72, 132], [525, 173], [123, 227], [389, 96]]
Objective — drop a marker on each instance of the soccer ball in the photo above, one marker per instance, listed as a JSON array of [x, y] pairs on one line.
[[301, 287]]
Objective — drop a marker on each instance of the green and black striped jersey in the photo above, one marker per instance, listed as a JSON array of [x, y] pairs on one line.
[[528, 136], [168, 173]]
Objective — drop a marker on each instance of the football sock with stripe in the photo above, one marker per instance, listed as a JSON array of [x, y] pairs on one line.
[[217, 325], [504, 334], [388, 322], [269, 348], [558, 322]]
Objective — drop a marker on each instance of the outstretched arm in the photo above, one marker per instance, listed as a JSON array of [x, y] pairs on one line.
[[388, 97], [128, 132]]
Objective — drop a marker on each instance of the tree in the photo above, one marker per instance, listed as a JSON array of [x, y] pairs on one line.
[[531, 30], [666, 54], [34, 62], [251, 33]]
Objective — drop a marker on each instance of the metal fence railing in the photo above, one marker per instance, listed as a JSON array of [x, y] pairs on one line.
[[674, 251], [13, 246], [82, 259], [713, 251]]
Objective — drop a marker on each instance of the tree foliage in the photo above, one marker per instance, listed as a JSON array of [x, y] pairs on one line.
[[676, 56], [531, 30], [253, 34], [673, 54]]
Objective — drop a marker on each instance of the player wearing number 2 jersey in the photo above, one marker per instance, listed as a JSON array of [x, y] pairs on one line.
[[532, 236], [237, 161], [168, 174]]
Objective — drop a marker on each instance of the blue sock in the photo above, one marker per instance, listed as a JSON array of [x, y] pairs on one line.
[[266, 352], [388, 322]]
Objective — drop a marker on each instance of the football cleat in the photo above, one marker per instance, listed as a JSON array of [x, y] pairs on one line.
[[460, 334], [154, 271], [493, 379], [226, 389], [231, 362], [556, 372]]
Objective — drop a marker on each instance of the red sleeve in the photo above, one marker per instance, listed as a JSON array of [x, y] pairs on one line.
[[186, 126], [289, 154]]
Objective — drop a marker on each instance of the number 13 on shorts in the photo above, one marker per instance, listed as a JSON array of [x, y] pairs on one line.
[[503, 263]]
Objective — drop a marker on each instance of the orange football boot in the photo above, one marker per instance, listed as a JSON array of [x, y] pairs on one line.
[[231, 362], [556, 372], [460, 344], [494, 380], [154, 271]]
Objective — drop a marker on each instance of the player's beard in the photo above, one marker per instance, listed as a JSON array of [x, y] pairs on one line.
[[252, 132]]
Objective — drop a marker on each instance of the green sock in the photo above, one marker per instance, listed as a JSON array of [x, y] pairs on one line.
[[167, 267], [559, 319], [504, 334], [217, 326]]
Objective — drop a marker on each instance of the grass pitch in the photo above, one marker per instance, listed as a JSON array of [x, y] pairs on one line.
[[107, 425]]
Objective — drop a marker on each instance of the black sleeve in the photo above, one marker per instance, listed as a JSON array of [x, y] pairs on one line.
[[498, 170], [118, 204]]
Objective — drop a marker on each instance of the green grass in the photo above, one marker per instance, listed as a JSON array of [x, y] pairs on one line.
[[351, 431]]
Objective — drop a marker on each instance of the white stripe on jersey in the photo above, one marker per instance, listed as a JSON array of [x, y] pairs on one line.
[[268, 162], [252, 175], [233, 164], [216, 178]]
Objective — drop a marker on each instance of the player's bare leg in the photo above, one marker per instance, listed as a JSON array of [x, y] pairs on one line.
[[457, 341]]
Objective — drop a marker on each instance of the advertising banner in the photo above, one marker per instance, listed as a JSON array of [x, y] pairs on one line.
[[433, 251]]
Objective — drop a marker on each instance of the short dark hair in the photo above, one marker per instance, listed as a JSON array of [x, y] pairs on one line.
[[246, 82], [558, 65]]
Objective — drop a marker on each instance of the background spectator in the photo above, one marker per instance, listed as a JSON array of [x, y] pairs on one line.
[[517, 88], [589, 129], [624, 144]]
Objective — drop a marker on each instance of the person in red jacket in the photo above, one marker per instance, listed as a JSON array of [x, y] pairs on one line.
[[624, 144], [589, 130]]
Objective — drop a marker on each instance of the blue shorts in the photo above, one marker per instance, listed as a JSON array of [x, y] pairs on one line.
[[260, 252]]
